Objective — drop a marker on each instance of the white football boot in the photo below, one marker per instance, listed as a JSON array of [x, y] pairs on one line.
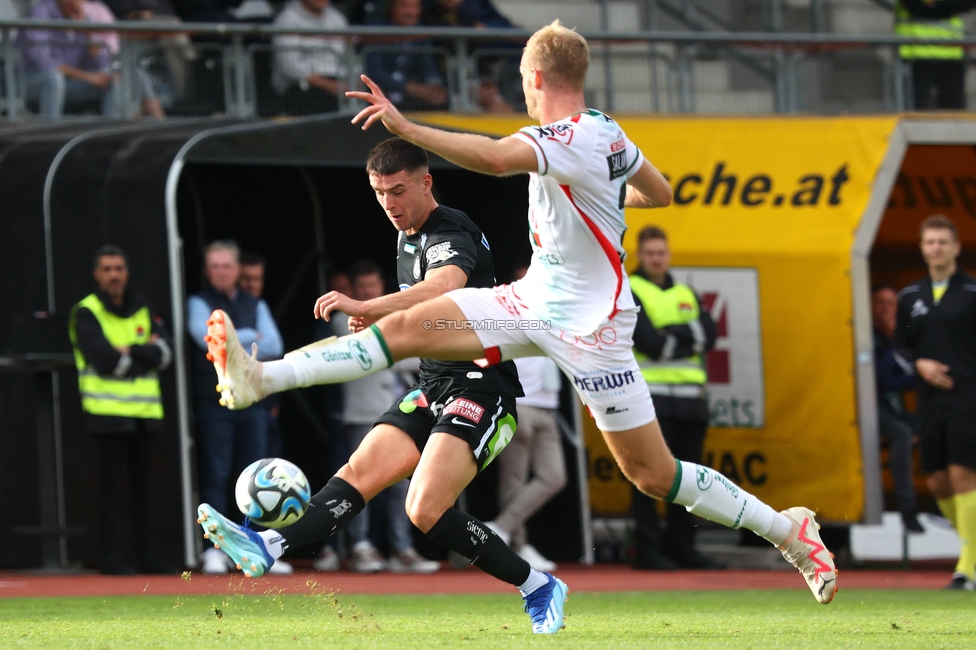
[[806, 551], [238, 374]]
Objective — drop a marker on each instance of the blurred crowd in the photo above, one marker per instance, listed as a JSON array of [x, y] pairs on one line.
[[78, 71]]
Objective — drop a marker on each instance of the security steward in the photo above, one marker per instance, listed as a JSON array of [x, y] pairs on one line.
[[938, 71], [120, 346], [936, 326], [672, 334]]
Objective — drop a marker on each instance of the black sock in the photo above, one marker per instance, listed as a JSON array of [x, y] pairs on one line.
[[332, 508], [475, 541]]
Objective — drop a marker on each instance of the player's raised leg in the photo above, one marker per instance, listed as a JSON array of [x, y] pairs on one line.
[[386, 456], [445, 469], [645, 460], [431, 329]]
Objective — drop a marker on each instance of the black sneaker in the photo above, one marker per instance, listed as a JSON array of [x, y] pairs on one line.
[[960, 582]]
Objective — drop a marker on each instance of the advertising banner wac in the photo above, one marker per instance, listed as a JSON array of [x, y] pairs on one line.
[[761, 227]]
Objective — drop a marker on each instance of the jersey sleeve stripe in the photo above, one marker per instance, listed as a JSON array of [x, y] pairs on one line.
[[638, 158], [608, 249], [540, 152]]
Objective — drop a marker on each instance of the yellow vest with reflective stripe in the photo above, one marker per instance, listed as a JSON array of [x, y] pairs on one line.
[[132, 397], [908, 25], [674, 306]]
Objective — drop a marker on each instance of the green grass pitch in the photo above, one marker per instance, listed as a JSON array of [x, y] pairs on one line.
[[726, 619]]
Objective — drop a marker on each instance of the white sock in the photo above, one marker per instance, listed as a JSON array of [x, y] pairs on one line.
[[332, 361], [274, 542], [535, 580], [708, 494]]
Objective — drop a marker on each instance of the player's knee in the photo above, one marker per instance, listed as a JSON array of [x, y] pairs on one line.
[[423, 515]]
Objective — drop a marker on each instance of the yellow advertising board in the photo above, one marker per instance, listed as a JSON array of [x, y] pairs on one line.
[[762, 225]]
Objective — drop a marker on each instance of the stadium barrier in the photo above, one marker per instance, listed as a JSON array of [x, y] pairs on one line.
[[225, 69]]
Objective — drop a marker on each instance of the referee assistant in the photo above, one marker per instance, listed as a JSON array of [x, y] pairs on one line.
[[937, 326]]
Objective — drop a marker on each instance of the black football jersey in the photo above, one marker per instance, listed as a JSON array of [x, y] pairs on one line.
[[449, 237]]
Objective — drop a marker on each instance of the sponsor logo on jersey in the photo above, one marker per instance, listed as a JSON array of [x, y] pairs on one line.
[[558, 132], [604, 381], [411, 401], [466, 409], [416, 268], [919, 309], [613, 410], [617, 146], [685, 306], [617, 162], [423, 240], [440, 253]]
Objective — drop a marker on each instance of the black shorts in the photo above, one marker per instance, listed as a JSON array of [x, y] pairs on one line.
[[485, 421], [947, 435]]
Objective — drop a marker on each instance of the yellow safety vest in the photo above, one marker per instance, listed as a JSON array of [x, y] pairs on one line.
[[132, 397], [674, 306], [908, 25]]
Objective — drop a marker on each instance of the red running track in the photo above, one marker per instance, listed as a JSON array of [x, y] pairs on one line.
[[447, 581]]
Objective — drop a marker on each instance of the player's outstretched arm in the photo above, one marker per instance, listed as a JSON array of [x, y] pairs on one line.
[[475, 152], [648, 188], [364, 313]]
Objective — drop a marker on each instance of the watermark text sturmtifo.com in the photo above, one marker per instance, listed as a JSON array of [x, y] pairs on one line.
[[487, 324]]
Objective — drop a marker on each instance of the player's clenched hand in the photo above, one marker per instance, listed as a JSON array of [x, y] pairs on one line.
[[359, 323], [380, 108], [934, 373], [335, 301]]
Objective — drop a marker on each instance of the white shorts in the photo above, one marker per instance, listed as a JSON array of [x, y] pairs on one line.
[[601, 365]]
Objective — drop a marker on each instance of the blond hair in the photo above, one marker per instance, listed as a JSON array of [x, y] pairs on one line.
[[560, 54]]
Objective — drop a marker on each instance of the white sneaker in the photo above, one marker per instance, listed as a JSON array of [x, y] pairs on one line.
[[238, 374], [214, 562], [808, 554], [328, 560], [280, 568], [507, 538], [536, 559], [410, 561], [366, 559]]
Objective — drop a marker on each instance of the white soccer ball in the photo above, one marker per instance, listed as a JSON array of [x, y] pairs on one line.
[[273, 492]]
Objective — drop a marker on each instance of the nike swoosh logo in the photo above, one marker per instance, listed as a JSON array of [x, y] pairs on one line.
[[463, 424]]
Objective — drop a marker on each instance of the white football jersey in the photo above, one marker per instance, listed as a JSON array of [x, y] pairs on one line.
[[576, 221]]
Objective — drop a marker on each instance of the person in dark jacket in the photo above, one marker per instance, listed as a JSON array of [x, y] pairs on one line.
[[936, 329], [894, 375], [120, 345]]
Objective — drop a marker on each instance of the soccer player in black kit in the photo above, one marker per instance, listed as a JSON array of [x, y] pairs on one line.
[[936, 327], [452, 424]]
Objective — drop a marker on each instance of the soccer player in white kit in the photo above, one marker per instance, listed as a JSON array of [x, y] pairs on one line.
[[574, 304]]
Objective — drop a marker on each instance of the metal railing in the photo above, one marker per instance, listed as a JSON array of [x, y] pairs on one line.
[[226, 67]]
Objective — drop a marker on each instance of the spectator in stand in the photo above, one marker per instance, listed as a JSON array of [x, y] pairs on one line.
[[176, 46], [938, 71], [252, 281], [227, 441], [537, 446], [77, 66], [365, 400], [120, 346], [895, 375], [308, 71], [410, 77], [479, 14]]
